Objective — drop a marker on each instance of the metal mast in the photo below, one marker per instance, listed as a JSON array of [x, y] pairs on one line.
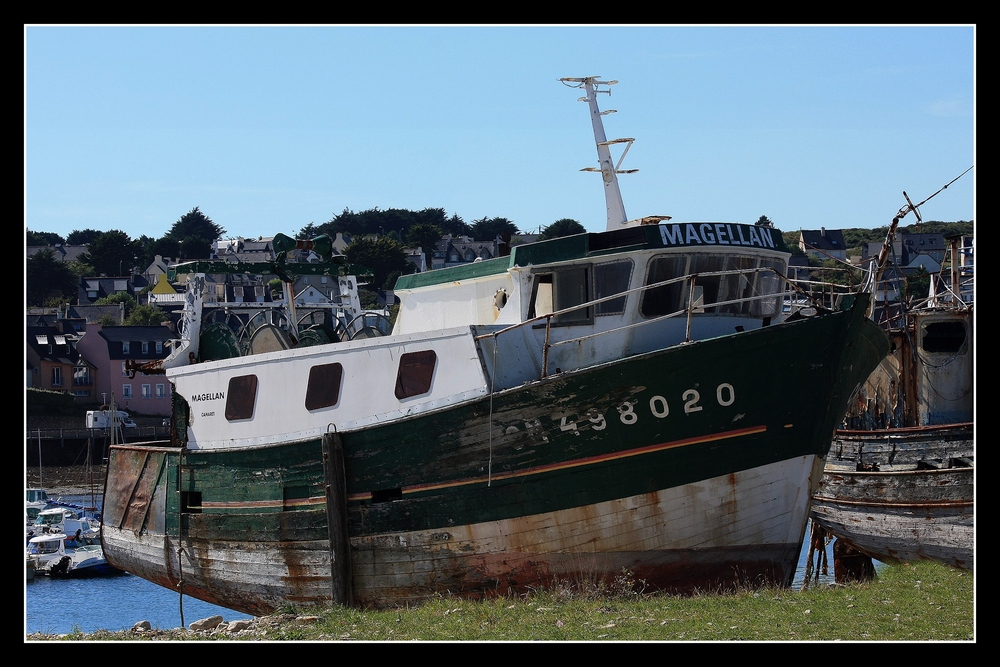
[[608, 169]]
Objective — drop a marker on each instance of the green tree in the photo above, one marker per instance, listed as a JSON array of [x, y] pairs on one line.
[[308, 232], [487, 229], [425, 236], [276, 287], [371, 221], [82, 236], [764, 221], [437, 217], [46, 278], [390, 221], [560, 228], [147, 253], [966, 228], [164, 247], [44, 238], [456, 226], [917, 286], [368, 298], [80, 268], [112, 253], [116, 298], [791, 240], [195, 234], [390, 281], [382, 256], [192, 248], [145, 315]]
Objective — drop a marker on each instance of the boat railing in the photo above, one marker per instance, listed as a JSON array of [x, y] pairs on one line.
[[826, 284], [693, 306], [61, 434]]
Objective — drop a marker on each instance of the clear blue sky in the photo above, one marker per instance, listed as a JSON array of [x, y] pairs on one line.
[[267, 129]]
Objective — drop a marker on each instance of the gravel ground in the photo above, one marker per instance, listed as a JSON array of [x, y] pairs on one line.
[[67, 480]]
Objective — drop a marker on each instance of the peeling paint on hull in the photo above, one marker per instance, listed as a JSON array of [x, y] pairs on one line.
[[696, 545], [902, 516]]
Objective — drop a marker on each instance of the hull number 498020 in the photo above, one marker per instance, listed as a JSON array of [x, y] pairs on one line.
[[691, 402]]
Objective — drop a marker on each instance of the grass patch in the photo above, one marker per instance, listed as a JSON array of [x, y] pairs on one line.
[[919, 602]]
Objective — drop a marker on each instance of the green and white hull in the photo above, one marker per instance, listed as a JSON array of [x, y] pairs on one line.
[[690, 467], [642, 401]]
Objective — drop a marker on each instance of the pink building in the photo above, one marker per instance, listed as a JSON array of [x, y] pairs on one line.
[[108, 347]]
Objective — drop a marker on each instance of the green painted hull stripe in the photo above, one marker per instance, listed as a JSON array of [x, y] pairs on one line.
[[575, 463], [535, 470]]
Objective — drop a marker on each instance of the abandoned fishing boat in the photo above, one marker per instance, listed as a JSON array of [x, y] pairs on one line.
[[632, 399], [899, 484]]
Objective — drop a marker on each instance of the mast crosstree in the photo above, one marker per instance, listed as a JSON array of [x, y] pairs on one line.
[[608, 169]]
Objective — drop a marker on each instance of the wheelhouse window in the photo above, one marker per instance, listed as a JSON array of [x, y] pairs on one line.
[[664, 299], [559, 290], [706, 288], [769, 282], [737, 292], [323, 389], [611, 278], [241, 397], [948, 336], [416, 371]]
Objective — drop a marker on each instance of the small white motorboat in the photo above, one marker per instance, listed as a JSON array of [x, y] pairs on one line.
[[53, 557]]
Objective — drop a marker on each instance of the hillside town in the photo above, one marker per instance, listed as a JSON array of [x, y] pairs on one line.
[[62, 357], [83, 347]]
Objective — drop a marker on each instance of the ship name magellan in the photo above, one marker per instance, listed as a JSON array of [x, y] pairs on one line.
[[210, 396], [721, 233]]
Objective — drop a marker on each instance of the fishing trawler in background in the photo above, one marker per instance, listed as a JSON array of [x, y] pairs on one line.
[[634, 399]]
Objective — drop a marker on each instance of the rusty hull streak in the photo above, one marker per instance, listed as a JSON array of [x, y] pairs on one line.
[[486, 575], [731, 503], [300, 586], [669, 553]]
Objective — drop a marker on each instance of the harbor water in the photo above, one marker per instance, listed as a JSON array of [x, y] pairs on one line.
[[114, 603], [62, 606]]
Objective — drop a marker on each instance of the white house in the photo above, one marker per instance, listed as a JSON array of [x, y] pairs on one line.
[[313, 297]]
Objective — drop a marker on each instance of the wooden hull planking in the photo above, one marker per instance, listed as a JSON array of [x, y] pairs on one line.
[[743, 529], [903, 515]]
